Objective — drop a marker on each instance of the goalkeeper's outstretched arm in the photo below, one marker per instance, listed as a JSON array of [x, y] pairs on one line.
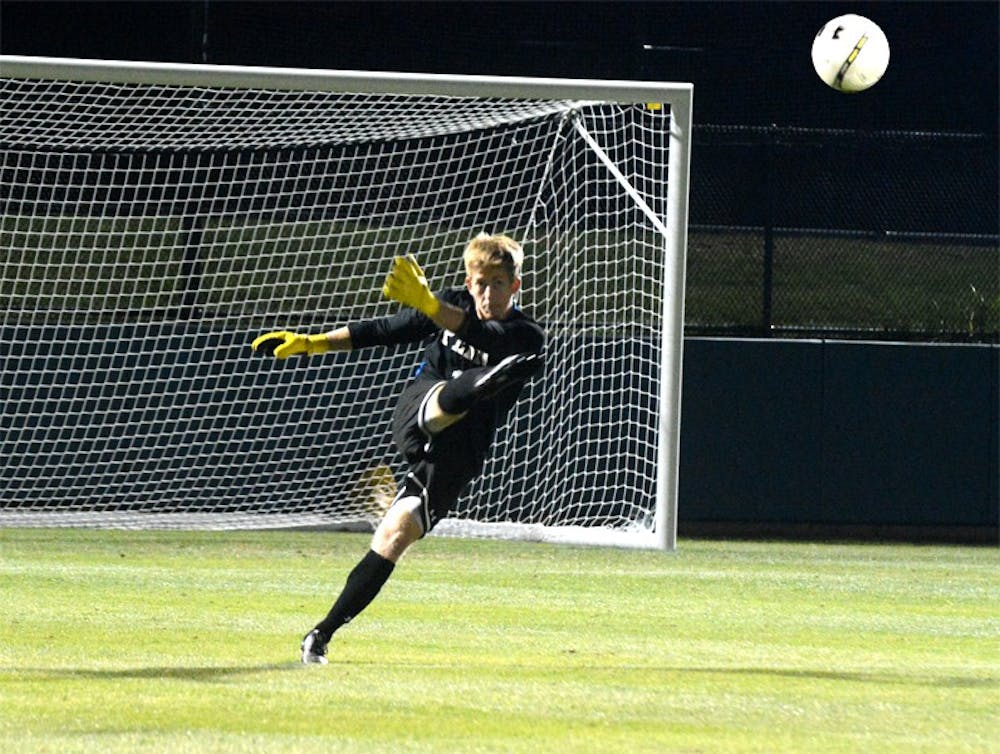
[[405, 283]]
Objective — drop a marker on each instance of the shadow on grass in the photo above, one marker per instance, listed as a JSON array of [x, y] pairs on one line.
[[578, 665], [853, 676], [205, 673], [215, 673]]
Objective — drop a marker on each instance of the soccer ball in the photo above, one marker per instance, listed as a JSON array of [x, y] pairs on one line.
[[850, 53]]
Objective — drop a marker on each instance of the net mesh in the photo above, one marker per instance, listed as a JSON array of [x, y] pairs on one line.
[[151, 232]]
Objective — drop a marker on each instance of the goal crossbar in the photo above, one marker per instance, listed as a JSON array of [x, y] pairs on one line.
[[312, 79]]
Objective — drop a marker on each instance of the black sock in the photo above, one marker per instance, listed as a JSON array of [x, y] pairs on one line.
[[363, 583], [457, 395]]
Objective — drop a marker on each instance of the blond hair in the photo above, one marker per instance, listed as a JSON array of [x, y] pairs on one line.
[[487, 250]]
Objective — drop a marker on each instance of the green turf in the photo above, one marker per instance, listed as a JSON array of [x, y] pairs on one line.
[[161, 642]]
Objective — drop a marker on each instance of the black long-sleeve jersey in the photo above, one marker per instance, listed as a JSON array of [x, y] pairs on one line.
[[478, 343]]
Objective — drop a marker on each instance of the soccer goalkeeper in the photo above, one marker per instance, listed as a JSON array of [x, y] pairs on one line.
[[482, 349]]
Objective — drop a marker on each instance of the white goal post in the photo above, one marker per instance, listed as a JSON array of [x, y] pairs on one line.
[[156, 217]]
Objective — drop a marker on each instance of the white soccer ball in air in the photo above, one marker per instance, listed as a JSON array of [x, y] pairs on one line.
[[850, 53]]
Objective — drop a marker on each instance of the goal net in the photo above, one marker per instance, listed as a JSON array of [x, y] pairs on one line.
[[155, 218]]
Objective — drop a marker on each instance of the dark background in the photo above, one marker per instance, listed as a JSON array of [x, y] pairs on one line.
[[749, 61]]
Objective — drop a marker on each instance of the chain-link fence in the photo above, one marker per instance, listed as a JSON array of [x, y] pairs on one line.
[[822, 233]]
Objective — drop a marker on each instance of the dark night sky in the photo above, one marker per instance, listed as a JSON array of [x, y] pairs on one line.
[[749, 61]]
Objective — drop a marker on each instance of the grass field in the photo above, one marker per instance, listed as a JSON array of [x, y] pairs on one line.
[[172, 641]]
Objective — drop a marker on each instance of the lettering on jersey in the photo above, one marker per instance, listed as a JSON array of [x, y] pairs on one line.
[[452, 342]]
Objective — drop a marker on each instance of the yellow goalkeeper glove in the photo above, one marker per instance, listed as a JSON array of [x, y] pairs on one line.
[[407, 284], [283, 344]]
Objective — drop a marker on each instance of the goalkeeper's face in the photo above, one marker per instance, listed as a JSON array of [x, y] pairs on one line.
[[493, 290]]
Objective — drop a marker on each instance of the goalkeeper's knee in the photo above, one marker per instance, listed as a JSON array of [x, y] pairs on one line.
[[432, 418], [282, 344]]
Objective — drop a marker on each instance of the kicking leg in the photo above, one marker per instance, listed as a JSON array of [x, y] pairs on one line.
[[481, 383], [424, 412]]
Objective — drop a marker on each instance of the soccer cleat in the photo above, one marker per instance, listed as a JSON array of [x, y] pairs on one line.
[[314, 648], [513, 369]]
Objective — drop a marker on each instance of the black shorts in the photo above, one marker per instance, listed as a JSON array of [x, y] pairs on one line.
[[441, 466]]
